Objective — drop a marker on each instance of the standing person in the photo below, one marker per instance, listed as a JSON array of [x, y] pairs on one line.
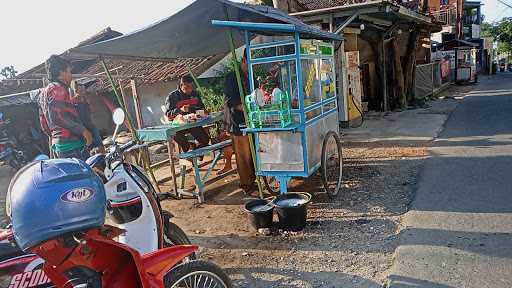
[[84, 111], [185, 100], [234, 118], [58, 114]]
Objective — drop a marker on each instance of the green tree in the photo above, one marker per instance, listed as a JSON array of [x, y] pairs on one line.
[[8, 72], [486, 29], [502, 33]]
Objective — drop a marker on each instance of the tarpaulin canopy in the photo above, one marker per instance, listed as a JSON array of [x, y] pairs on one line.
[[190, 33]]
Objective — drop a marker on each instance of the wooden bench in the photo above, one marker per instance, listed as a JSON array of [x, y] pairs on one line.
[[192, 157]]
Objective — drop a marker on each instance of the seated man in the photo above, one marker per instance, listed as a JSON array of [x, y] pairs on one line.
[[186, 100]]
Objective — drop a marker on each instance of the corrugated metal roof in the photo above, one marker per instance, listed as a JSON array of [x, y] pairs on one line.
[[17, 99], [322, 4]]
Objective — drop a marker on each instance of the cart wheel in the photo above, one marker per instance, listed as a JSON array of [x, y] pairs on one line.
[[332, 164], [271, 184]]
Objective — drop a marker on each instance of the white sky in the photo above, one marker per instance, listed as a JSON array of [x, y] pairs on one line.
[[32, 30]]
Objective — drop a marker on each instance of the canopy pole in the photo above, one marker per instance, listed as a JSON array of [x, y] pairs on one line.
[[119, 99], [196, 82], [242, 96], [144, 153]]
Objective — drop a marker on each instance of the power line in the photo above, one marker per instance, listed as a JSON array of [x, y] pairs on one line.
[[497, 18], [504, 3]]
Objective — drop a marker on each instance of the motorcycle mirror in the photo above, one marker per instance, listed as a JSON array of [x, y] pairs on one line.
[[118, 116], [41, 157]]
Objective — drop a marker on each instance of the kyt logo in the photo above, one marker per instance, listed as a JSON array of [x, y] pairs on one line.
[[29, 279], [77, 195]]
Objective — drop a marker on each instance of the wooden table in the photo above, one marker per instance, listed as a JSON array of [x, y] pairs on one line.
[[167, 132]]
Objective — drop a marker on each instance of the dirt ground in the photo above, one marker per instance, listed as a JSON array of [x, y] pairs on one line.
[[348, 242]]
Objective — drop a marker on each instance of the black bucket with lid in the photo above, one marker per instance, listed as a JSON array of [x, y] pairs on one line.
[[259, 212], [292, 210]]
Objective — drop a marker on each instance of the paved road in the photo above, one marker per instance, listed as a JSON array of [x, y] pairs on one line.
[[458, 232]]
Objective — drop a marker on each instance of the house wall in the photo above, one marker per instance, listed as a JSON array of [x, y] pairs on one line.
[[152, 98]]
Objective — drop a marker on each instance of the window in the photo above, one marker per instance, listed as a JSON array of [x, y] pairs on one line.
[[311, 81], [281, 50], [327, 79], [282, 75]]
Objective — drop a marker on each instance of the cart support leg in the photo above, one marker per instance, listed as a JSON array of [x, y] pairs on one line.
[[170, 148], [283, 184]]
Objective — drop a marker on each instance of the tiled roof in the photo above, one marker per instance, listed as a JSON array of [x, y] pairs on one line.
[[149, 72]]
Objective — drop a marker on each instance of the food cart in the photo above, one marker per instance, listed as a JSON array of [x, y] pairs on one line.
[[466, 64], [292, 108]]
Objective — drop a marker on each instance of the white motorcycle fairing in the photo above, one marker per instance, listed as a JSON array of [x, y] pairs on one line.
[[131, 210]]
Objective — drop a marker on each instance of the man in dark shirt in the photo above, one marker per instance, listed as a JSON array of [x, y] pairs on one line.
[[185, 100], [234, 118], [84, 111]]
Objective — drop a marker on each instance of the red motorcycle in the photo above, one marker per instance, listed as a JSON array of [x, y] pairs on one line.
[[94, 256], [57, 208]]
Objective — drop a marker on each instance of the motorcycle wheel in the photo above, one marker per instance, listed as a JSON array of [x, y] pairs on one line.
[[14, 164], [174, 235], [198, 274]]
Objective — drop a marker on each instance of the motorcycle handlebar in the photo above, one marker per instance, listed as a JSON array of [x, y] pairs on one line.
[[128, 145]]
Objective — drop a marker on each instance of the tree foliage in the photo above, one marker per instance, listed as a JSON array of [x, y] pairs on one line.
[[486, 29], [502, 33], [8, 72]]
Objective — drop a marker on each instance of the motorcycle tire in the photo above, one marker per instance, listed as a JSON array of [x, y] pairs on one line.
[[174, 235], [198, 272], [14, 164]]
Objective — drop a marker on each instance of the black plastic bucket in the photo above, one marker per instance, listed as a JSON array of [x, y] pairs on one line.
[[292, 210], [259, 212]]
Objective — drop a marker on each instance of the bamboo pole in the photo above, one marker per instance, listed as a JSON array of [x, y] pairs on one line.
[[145, 154], [136, 103], [119, 99], [242, 96]]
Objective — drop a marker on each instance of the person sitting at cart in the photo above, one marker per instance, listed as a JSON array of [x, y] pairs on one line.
[[234, 118], [186, 100]]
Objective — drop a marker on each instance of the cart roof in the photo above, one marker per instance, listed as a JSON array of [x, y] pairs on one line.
[[190, 33]]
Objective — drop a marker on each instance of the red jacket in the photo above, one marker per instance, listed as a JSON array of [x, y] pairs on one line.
[[58, 114]]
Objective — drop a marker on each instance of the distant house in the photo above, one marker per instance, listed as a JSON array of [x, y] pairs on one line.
[[385, 43]]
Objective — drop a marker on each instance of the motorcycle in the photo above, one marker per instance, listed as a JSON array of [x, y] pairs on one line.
[[60, 217], [8, 153], [132, 205], [10, 156]]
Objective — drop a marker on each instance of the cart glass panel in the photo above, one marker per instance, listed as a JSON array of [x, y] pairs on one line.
[[327, 79], [311, 81], [273, 51], [270, 104]]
